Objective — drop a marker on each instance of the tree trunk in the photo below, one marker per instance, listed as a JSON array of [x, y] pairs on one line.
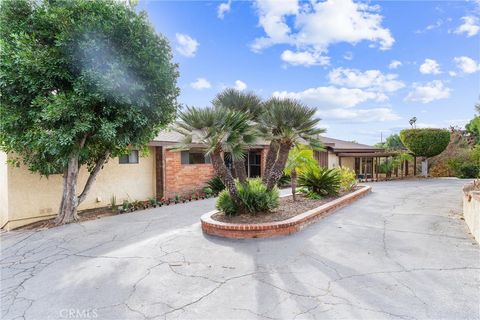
[[68, 206], [270, 161], [293, 178], [240, 171], [277, 169], [67, 212], [425, 167], [224, 174]]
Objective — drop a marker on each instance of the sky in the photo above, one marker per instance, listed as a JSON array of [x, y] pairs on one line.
[[367, 67]]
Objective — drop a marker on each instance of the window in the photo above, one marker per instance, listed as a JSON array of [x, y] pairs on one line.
[[194, 157], [132, 157], [254, 162]]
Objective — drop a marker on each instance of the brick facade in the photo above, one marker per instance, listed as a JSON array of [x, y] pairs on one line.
[[184, 179]]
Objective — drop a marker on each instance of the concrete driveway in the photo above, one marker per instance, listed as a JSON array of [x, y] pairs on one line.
[[401, 252]]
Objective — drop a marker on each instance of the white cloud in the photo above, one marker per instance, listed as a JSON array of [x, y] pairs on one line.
[[372, 80], [430, 66], [240, 85], [223, 8], [314, 26], [200, 83], [187, 46], [394, 64], [466, 64], [432, 26], [304, 58], [470, 26], [430, 91], [332, 97], [359, 115]]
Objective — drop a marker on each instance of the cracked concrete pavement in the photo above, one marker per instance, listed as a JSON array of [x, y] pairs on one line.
[[402, 252]]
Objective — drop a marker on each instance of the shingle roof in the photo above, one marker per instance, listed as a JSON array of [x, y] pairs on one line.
[[170, 136], [340, 145]]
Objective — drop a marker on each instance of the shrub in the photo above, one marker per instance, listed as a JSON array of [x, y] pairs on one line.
[[284, 181], [310, 194], [113, 203], [425, 142], [348, 179], [126, 206], [216, 185], [468, 170], [253, 194], [208, 191], [321, 180]]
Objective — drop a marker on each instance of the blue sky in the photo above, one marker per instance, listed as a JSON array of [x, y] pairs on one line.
[[368, 67]]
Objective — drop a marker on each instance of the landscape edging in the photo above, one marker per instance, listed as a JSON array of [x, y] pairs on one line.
[[277, 228]]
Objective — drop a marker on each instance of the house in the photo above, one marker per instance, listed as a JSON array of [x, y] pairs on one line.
[[26, 197]]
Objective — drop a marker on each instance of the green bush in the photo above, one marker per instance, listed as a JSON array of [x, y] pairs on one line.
[[284, 181], [425, 142], [208, 191], [468, 170], [348, 179], [253, 194], [321, 180], [216, 185]]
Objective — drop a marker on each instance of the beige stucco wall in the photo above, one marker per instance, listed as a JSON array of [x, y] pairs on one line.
[[348, 162], [32, 197], [3, 188], [332, 160], [471, 212]]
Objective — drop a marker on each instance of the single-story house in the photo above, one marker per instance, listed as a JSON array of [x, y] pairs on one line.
[[27, 197]]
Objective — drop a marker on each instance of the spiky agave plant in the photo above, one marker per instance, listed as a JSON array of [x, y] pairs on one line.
[[286, 123], [321, 180]]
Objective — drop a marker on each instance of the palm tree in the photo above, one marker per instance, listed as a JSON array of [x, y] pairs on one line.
[[246, 102], [286, 123], [402, 158], [220, 131], [299, 159]]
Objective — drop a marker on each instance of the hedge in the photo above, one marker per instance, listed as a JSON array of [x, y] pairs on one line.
[[425, 142]]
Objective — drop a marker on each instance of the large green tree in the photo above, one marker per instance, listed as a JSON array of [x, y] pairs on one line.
[[81, 82], [473, 127], [425, 143]]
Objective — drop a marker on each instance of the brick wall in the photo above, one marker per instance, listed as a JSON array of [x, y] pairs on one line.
[[184, 179]]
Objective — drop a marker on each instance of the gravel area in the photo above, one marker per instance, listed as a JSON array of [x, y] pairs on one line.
[[287, 209]]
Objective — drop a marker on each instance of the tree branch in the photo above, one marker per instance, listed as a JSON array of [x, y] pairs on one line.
[[92, 177]]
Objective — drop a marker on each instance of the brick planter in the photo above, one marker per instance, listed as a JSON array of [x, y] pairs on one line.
[[278, 228]]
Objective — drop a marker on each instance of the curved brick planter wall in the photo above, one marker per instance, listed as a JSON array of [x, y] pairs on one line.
[[279, 228], [471, 211]]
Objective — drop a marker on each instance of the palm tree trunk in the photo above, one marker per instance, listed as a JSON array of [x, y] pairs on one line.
[[271, 159], [277, 169], [240, 171], [224, 174], [293, 177]]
